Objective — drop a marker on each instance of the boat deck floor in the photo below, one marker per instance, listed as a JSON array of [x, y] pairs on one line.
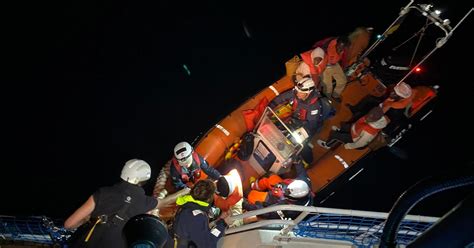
[[325, 166]]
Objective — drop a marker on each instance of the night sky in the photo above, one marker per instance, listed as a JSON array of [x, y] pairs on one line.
[[89, 85]]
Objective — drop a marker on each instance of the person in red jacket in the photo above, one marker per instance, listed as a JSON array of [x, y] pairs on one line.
[[333, 70], [360, 133]]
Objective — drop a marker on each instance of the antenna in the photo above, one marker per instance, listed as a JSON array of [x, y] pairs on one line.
[[443, 24]]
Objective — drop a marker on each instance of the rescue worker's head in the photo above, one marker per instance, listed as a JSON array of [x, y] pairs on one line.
[[374, 114], [224, 186], [297, 189], [342, 42], [401, 91], [304, 87], [204, 191], [136, 171], [183, 152]]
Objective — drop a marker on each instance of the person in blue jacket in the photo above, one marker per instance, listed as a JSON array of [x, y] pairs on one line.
[[304, 100], [310, 110], [191, 224], [186, 167]]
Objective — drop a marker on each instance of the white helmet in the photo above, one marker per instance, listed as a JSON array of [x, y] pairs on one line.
[[305, 85], [183, 152], [136, 171], [298, 189]]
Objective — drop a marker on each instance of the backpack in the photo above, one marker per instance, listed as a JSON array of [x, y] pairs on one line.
[[327, 110], [246, 147]]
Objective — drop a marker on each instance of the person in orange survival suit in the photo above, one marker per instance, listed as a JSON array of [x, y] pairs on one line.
[[273, 189], [229, 195]]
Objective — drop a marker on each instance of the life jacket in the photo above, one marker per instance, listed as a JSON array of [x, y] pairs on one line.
[[331, 53], [255, 196], [362, 125], [314, 70], [324, 43], [419, 101], [196, 173], [303, 112]]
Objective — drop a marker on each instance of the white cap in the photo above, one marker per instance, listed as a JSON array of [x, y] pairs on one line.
[[135, 171], [318, 52], [403, 90]]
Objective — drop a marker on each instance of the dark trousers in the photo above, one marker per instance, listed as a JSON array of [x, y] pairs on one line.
[[341, 136], [364, 106], [397, 119]]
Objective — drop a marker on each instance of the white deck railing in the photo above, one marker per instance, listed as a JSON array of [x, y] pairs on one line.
[[363, 228]]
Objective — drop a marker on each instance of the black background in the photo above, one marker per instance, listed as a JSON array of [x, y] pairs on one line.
[[89, 85]]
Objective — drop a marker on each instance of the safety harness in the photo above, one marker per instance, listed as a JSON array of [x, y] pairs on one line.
[[303, 112], [102, 222], [196, 173]]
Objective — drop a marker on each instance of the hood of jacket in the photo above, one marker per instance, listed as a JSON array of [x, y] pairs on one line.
[[188, 198]]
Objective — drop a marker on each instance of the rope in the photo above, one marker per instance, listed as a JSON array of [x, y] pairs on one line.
[[92, 230], [159, 190]]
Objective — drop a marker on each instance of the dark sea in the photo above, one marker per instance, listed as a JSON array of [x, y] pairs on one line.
[[90, 84]]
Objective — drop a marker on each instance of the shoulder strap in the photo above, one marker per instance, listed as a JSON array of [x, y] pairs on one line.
[[177, 166], [313, 100], [196, 158], [294, 103], [121, 215]]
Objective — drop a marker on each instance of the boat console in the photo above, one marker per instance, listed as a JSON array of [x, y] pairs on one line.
[[276, 144]]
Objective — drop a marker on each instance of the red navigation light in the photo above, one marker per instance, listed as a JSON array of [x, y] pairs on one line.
[[417, 69]]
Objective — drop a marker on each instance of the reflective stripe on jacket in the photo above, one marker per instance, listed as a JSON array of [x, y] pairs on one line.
[[362, 125], [303, 111]]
